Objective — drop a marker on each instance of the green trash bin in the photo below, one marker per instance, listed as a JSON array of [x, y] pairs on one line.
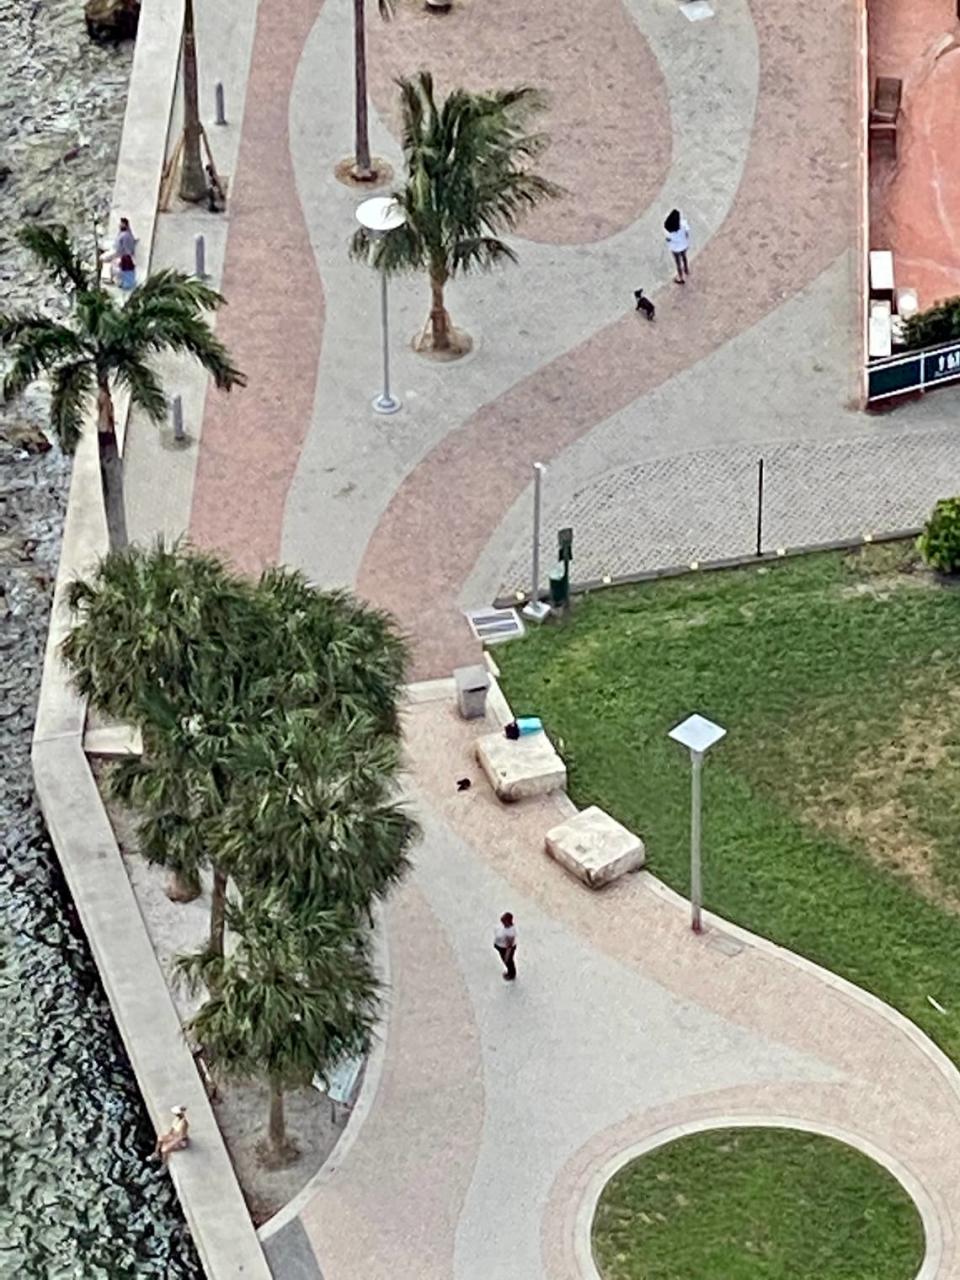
[[559, 585]]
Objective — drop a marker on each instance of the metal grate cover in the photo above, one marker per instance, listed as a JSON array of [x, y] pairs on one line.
[[493, 626]]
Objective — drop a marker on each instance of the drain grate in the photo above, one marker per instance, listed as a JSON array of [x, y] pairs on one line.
[[493, 626]]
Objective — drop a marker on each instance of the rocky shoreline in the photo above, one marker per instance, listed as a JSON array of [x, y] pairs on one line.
[[78, 1198]]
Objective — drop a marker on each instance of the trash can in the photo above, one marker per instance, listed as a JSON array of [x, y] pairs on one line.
[[559, 585], [472, 685]]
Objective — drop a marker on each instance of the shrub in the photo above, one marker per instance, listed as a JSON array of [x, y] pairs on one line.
[[940, 323], [939, 543]]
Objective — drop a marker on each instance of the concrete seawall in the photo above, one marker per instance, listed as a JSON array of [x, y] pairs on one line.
[[79, 828]]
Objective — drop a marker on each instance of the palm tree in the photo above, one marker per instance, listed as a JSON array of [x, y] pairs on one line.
[[251, 698], [467, 181], [193, 180], [315, 821], [363, 169], [104, 344], [339, 652], [291, 1000]]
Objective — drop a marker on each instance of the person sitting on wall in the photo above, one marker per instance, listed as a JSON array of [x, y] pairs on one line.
[[175, 1138]]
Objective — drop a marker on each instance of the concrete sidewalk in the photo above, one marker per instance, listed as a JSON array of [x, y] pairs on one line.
[[622, 1025], [496, 1104]]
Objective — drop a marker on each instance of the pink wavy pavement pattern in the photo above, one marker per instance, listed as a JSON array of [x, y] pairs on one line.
[[607, 114], [273, 325], [391, 1211], [794, 213]]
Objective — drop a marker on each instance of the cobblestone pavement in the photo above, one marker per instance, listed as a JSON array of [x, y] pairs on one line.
[[703, 505]]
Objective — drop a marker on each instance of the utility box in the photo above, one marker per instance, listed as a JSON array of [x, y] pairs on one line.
[[472, 685], [559, 585]]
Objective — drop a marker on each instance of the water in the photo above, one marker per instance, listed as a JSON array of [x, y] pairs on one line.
[[77, 1199], [76, 1196]]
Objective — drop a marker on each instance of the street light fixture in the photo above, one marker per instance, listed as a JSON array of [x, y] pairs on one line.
[[378, 216], [698, 735]]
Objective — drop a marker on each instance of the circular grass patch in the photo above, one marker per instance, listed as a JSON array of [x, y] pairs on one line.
[[756, 1204]]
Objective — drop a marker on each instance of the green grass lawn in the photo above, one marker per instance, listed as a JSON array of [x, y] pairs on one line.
[[756, 1204], [832, 808]]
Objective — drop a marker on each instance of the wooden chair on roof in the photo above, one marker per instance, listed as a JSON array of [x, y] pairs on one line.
[[887, 96]]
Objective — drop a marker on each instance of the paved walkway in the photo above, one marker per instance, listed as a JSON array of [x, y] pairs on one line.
[[496, 1105], [622, 1024]]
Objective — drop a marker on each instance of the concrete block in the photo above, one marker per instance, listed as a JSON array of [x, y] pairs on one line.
[[472, 684], [113, 741], [527, 767], [595, 847]]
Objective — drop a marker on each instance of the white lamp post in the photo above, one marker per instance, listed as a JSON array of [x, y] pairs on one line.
[[536, 609], [698, 735], [378, 216]]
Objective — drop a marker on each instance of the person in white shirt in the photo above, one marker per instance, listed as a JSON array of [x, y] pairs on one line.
[[505, 943], [678, 241]]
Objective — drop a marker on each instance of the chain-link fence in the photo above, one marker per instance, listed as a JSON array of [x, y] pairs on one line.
[[724, 504]]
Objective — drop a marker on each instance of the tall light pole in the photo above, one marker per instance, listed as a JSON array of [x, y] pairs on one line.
[[379, 216], [535, 608], [698, 735]]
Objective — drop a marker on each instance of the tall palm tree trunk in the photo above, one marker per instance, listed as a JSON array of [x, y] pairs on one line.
[[439, 320], [362, 166], [193, 180], [111, 468], [277, 1124], [218, 911]]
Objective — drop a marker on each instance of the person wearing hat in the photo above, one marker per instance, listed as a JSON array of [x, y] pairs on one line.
[[175, 1138], [505, 944]]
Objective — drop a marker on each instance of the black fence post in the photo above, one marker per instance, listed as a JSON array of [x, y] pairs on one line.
[[760, 507]]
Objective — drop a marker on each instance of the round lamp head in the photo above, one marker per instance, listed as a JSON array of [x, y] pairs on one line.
[[380, 214]]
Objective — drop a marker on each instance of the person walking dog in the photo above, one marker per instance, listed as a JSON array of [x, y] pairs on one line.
[[505, 944], [678, 241]]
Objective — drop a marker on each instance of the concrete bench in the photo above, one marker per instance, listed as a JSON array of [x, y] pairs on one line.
[[595, 847], [528, 766]]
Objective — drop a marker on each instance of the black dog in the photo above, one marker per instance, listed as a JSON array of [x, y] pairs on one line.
[[645, 305]]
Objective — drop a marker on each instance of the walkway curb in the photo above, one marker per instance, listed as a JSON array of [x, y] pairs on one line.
[[74, 813], [893, 1017], [583, 1247]]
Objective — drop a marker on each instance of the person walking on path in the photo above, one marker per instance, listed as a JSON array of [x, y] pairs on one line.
[[505, 943], [678, 240], [125, 246]]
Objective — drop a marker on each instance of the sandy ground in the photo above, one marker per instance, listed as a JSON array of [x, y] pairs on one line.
[[241, 1108]]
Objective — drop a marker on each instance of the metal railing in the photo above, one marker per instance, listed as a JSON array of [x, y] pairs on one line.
[[913, 371]]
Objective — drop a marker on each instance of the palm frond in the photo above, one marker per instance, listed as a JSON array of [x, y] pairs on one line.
[[73, 386], [170, 287], [468, 178], [53, 250], [36, 345], [143, 385]]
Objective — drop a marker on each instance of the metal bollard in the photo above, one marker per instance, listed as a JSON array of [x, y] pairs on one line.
[[199, 256], [221, 112], [178, 432]]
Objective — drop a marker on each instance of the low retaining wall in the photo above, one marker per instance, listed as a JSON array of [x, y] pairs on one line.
[[79, 828]]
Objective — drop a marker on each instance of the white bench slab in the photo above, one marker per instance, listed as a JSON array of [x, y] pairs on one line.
[[528, 766], [113, 741], [595, 847]]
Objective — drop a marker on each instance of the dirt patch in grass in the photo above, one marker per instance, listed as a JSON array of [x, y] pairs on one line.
[[873, 805]]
